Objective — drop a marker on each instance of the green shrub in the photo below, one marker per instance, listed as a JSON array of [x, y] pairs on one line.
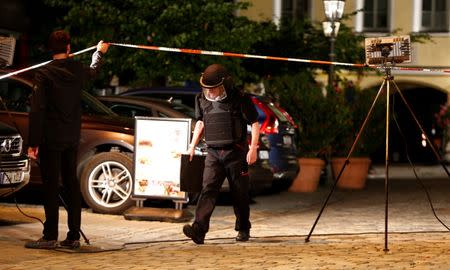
[[358, 103], [320, 114]]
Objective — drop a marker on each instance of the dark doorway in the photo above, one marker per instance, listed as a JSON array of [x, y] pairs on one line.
[[425, 103]]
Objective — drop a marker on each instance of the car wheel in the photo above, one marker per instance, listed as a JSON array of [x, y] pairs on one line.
[[106, 183]]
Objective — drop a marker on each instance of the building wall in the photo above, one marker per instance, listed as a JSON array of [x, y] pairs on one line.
[[404, 18], [260, 10]]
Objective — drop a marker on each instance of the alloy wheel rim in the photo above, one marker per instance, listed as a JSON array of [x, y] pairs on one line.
[[109, 184]]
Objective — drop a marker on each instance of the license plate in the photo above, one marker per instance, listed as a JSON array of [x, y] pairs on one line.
[[10, 177], [287, 140], [263, 154]]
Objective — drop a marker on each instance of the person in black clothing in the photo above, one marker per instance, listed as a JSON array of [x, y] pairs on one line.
[[223, 114], [54, 134]]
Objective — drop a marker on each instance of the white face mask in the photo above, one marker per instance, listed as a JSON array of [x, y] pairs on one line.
[[215, 94]]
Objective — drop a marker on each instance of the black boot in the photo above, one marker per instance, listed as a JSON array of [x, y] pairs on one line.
[[70, 244], [243, 236], [42, 243], [194, 233]]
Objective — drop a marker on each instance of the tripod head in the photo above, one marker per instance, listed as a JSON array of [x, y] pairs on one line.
[[387, 51]]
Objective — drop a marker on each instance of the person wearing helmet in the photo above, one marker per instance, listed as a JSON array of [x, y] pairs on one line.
[[222, 114]]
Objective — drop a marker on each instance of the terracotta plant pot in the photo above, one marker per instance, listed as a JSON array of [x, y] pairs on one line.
[[354, 175], [308, 177]]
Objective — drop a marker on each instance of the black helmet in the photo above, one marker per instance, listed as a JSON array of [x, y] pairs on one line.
[[213, 76]]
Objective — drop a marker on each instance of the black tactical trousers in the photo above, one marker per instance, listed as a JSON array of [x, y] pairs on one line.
[[55, 162], [220, 163]]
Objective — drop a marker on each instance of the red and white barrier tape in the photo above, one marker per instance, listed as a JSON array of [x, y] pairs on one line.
[[433, 70], [43, 64], [231, 54], [239, 55]]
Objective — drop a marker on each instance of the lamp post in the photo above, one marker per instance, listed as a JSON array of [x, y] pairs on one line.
[[333, 12]]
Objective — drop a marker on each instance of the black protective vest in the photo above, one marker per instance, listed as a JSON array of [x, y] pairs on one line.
[[223, 122]]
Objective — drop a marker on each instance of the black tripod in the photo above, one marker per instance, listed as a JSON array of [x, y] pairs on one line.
[[388, 81]]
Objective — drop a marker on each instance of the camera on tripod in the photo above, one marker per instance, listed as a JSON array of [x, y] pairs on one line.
[[384, 50]]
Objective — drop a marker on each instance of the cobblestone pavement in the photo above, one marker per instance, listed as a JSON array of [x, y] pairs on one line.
[[349, 235]]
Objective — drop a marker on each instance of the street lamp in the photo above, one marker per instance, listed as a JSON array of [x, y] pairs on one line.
[[333, 12]]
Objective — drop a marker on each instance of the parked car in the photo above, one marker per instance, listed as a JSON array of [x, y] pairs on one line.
[[277, 128], [145, 106], [105, 151], [278, 132], [261, 176], [14, 164], [184, 95]]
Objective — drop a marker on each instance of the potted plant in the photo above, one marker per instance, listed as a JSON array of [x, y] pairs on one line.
[[441, 125], [358, 102], [319, 117]]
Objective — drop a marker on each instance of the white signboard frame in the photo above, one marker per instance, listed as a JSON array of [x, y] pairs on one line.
[[158, 145]]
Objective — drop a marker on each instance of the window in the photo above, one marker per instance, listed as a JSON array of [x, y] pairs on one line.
[[92, 106], [183, 109], [375, 16], [434, 15], [162, 114], [295, 9], [130, 110], [15, 95]]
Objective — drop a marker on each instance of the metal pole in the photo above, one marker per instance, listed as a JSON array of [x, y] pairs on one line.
[[332, 40]]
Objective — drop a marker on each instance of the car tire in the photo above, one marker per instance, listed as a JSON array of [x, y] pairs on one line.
[[106, 183]]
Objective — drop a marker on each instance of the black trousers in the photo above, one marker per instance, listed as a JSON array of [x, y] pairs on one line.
[[220, 163], [57, 162]]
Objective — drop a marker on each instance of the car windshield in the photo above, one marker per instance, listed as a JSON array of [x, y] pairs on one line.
[[16, 93], [189, 111], [91, 105], [281, 117]]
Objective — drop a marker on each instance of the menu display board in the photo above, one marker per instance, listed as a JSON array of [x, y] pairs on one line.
[[159, 144]]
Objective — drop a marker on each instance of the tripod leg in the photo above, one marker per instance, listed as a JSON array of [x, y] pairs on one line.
[[346, 160], [435, 152], [386, 167]]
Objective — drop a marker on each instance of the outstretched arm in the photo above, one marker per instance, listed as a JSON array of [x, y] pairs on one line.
[[102, 48]]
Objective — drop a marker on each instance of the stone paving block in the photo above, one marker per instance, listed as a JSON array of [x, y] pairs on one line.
[[349, 235]]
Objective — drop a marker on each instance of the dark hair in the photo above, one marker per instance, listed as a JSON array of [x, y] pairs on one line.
[[58, 41]]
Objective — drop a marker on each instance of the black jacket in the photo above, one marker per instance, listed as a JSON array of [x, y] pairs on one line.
[[55, 116]]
